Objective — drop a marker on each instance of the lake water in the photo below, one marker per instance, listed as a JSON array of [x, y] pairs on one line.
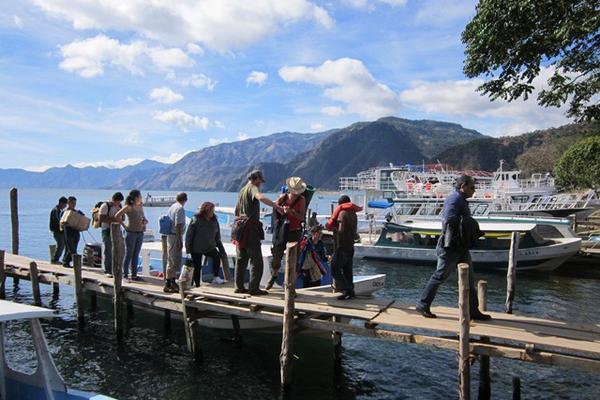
[[153, 364]]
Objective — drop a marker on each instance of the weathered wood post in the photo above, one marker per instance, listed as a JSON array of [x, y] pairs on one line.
[[511, 274], [35, 283], [117, 266], [485, 388], [336, 338], [287, 339], [191, 339], [464, 373], [79, 291], [516, 387], [14, 222], [55, 285], [2, 276]]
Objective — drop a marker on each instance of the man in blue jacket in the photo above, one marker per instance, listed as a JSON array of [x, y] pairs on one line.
[[451, 251]]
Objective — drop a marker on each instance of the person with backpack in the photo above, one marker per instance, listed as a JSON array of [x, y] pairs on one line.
[[134, 232], [287, 225], [203, 238], [71, 234], [59, 236], [175, 242], [106, 216], [313, 258]]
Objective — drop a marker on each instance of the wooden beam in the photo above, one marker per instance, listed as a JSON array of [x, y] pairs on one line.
[[485, 388], [14, 223], [511, 273], [464, 371], [117, 266], [287, 339], [35, 283], [79, 291]]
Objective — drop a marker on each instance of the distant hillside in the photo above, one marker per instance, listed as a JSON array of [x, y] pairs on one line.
[[363, 145], [530, 152], [70, 177]]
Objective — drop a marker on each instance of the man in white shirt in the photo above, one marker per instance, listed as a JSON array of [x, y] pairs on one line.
[[175, 242]]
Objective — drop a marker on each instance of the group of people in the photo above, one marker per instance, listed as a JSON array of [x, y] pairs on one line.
[[203, 238]]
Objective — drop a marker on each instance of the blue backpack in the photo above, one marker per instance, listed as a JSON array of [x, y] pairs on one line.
[[165, 225]]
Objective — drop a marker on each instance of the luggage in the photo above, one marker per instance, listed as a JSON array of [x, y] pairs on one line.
[[75, 220], [165, 225]]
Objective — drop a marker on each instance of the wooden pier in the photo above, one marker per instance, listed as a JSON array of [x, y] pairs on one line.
[[558, 343]]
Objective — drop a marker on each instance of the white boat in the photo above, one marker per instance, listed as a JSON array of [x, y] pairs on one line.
[[545, 243], [45, 382], [159, 201]]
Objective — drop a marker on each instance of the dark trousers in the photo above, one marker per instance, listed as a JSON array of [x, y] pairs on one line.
[[252, 253], [341, 269], [448, 260], [107, 251], [307, 283], [59, 237], [278, 251], [197, 259], [71, 242]]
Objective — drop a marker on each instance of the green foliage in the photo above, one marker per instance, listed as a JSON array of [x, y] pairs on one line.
[[511, 40], [579, 167]]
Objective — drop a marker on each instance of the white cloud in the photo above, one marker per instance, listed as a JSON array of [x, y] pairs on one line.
[[199, 81], [440, 12], [18, 21], [256, 77], [242, 136], [348, 81], [367, 4], [90, 56], [193, 48], [460, 99], [317, 126], [182, 119], [165, 95], [169, 159], [216, 24], [332, 111], [219, 124]]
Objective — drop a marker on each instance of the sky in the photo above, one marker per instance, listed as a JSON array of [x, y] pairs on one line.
[[113, 82]]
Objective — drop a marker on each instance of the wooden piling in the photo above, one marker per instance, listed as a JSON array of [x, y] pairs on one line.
[[511, 274], [191, 338], [2, 276], [167, 321], [14, 222], [464, 372], [79, 291], [516, 388], [93, 302], [117, 266], [51, 251], [336, 338], [485, 387], [235, 323], [35, 283], [287, 339]]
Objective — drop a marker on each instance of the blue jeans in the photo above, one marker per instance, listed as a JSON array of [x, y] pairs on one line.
[[107, 251], [448, 260], [59, 237], [341, 270], [133, 244]]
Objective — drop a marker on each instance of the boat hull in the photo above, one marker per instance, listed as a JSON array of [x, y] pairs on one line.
[[541, 258]]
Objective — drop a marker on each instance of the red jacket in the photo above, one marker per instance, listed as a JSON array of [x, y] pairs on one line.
[[332, 221]]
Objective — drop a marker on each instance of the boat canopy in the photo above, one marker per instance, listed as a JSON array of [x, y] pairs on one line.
[[10, 311], [424, 225], [382, 204]]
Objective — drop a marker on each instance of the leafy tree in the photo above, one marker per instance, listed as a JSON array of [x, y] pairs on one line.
[[511, 40], [579, 166]]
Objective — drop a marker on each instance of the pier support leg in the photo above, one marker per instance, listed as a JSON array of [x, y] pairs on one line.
[[35, 283], [167, 321], [235, 323], [2, 276], [79, 291], [516, 388], [55, 285], [511, 274], [14, 223], [192, 340], [93, 302], [117, 265], [464, 372], [485, 388], [130, 312], [287, 339], [336, 338]]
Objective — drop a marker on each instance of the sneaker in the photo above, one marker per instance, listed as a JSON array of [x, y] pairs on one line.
[[136, 278], [217, 280], [242, 290], [426, 312], [271, 282], [258, 292]]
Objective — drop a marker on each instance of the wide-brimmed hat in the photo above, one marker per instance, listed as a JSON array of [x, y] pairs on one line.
[[295, 184], [256, 174]]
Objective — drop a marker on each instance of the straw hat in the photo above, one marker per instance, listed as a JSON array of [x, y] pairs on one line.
[[295, 184]]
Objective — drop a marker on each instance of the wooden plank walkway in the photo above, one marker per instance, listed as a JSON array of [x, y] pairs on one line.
[[562, 343]]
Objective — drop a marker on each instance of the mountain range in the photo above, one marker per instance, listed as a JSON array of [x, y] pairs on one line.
[[320, 158]]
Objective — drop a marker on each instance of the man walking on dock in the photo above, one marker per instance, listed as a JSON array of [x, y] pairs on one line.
[[175, 242], [107, 216], [59, 237], [72, 235], [247, 213], [451, 251]]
